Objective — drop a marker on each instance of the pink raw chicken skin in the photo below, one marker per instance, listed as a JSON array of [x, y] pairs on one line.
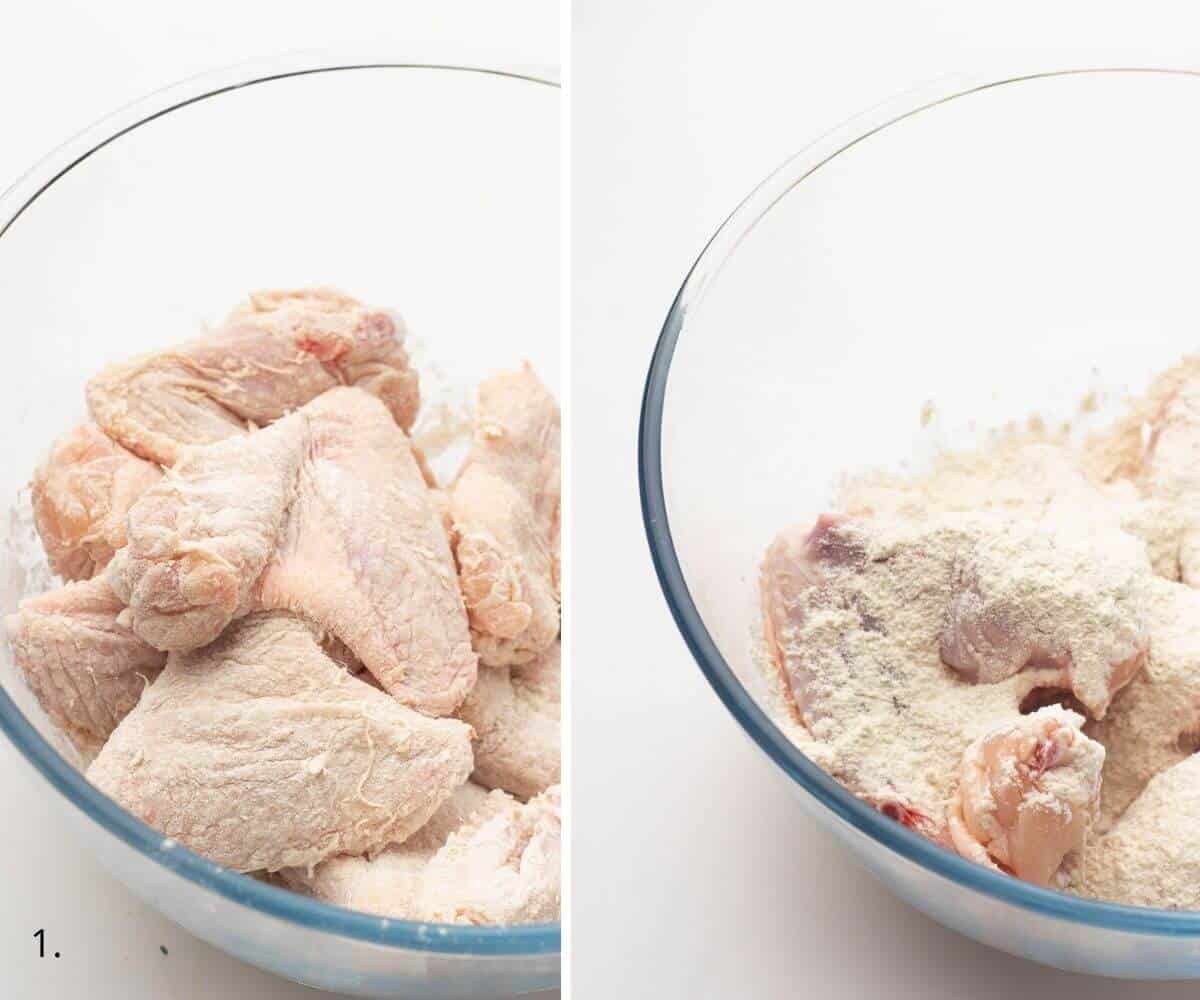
[[260, 752], [81, 494], [268, 631], [504, 508], [324, 513], [499, 868], [515, 714], [274, 354], [1029, 793], [390, 883], [200, 538], [86, 669], [365, 555]]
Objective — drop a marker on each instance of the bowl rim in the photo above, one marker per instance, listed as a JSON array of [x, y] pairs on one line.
[[516, 941], [737, 700]]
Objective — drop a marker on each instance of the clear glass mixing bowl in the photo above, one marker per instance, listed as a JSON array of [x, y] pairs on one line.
[[992, 246], [425, 181]]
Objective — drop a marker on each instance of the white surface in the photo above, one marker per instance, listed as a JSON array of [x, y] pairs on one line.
[[693, 875], [73, 63]]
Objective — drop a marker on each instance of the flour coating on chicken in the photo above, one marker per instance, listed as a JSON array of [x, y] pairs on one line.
[[858, 615], [1028, 794], [1149, 856], [908, 636]]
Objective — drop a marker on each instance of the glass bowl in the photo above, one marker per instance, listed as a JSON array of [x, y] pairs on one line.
[[425, 181], [981, 249]]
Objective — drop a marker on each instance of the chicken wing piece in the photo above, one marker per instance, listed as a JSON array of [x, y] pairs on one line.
[[504, 508], [1155, 447], [200, 538], [1072, 606], [515, 714], [855, 613], [86, 670], [81, 493], [364, 554], [324, 513], [261, 753], [500, 869], [1151, 857], [1155, 722], [273, 354], [1028, 794], [390, 882]]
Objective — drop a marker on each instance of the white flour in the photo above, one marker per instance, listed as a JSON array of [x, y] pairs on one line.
[[1046, 565]]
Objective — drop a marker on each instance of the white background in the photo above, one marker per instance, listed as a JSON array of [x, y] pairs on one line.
[[693, 876], [63, 65]]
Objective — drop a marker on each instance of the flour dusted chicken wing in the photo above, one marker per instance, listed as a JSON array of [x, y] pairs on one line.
[[81, 493], [261, 753], [200, 538], [390, 883], [1029, 791], [852, 611], [855, 616], [364, 554], [86, 670], [499, 869], [1155, 722], [273, 354], [1071, 606], [1155, 449], [1150, 857], [504, 508], [515, 714]]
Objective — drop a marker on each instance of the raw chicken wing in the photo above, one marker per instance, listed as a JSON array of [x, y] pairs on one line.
[[81, 494], [1029, 791], [504, 508], [261, 753], [324, 513], [273, 355], [499, 869], [364, 554], [515, 714], [86, 670], [390, 883], [200, 538]]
